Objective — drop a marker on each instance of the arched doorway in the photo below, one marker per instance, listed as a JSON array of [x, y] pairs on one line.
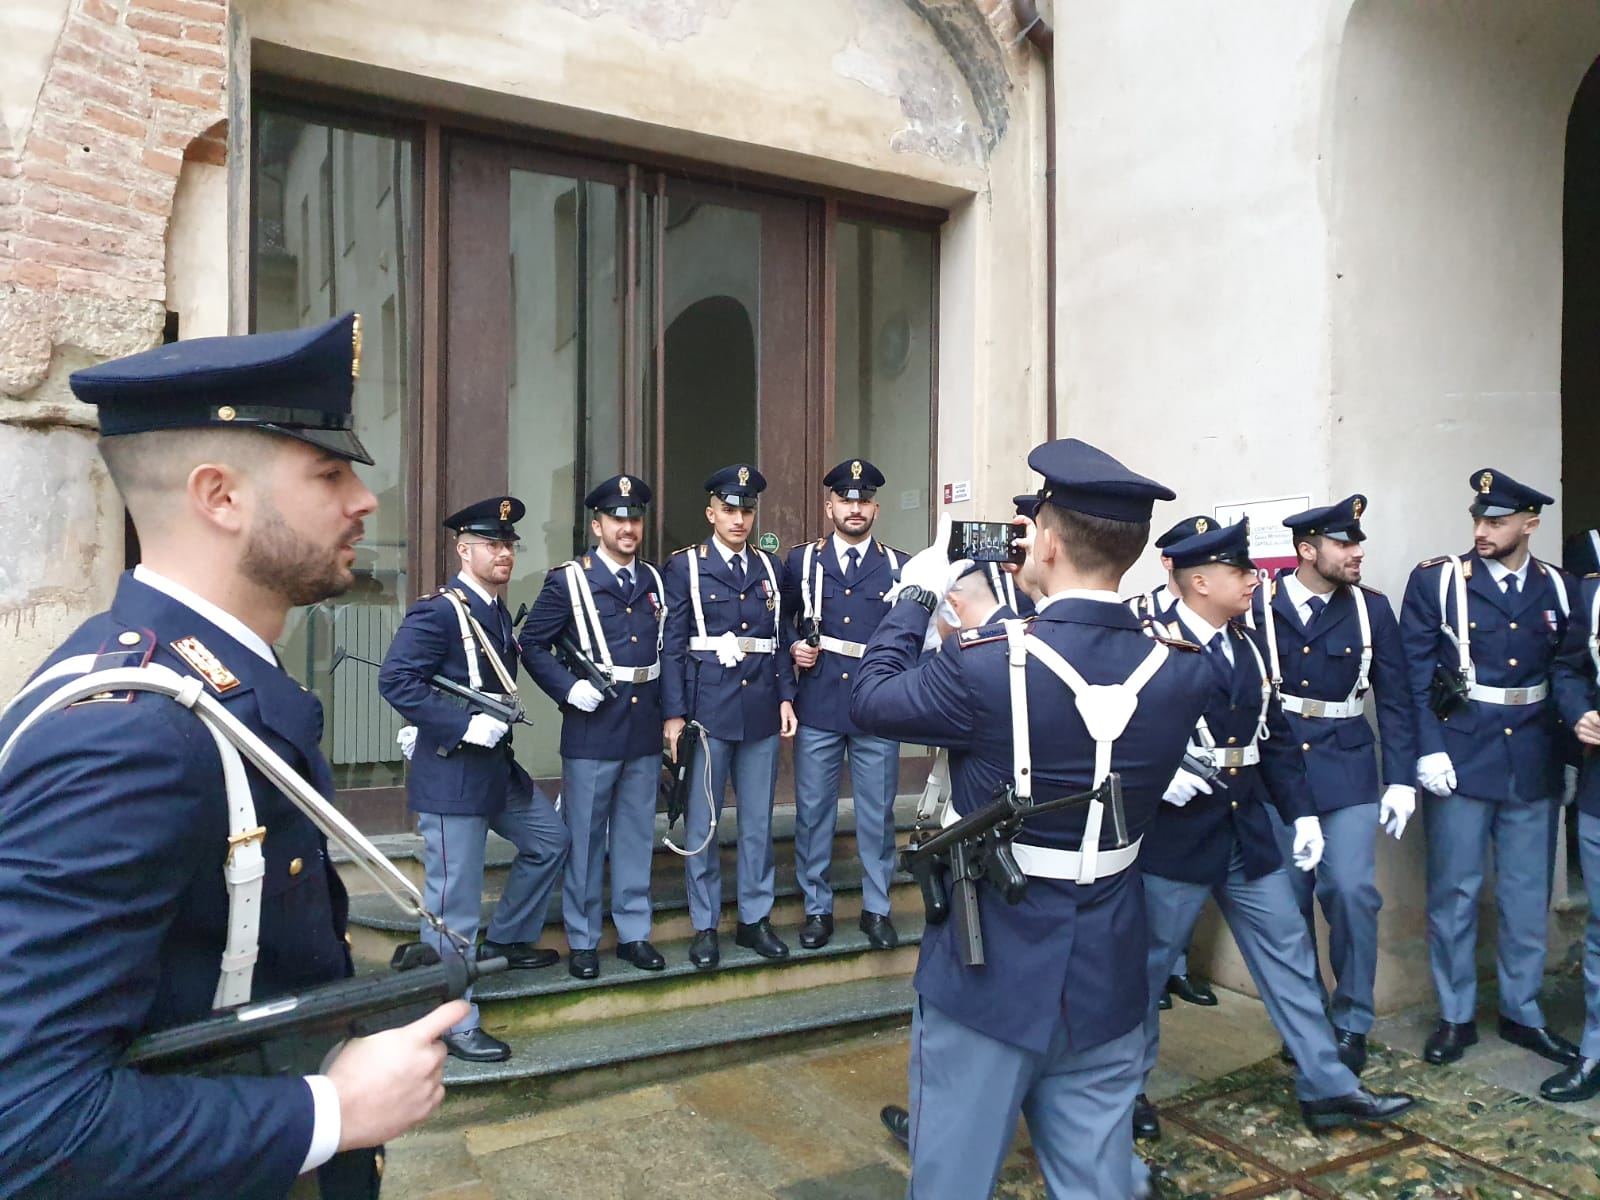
[[1580, 314]]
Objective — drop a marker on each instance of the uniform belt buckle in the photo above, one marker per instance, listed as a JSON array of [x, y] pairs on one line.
[[258, 834], [1313, 708], [1517, 695]]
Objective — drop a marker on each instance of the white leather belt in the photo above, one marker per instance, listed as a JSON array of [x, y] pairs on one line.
[[1221, 756], [1305, 707], [840, 646], [634, 674], [1045, 862], [1494, 695], [748, 645]]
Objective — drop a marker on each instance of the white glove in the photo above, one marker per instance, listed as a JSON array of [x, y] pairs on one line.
[[407, 737], [1395, 808], [1307, 842], [584, 696], [1185, 786], [484, 730], [930, 568], [1437, 773], [728, 652]]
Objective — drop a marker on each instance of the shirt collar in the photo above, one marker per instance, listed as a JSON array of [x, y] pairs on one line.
[[223, 620], [476, 587], [1498, 570], [1078, 594], [840, 546], [1196, 624], [727, 554], [612, 564]]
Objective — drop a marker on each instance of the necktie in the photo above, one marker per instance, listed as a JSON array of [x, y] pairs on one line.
[[854, 557], [505, 620], [1316, 604], [737, 564], [1218, 658], [625, 578], [1511, 587]]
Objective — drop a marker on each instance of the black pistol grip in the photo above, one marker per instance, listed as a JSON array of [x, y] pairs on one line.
[[1001, 870]]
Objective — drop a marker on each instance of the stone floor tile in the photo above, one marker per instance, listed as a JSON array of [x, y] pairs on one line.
[[1197, 1167], [1423, 1172]]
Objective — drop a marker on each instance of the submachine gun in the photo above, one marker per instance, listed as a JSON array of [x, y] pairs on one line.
[[949, 865], [291, 1035], [473, 701], [675, 772]]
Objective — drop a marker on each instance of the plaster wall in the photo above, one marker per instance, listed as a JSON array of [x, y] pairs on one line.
[[197, 251]]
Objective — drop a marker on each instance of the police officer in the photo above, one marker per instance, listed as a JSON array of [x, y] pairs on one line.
[[1050, 1027], [1151, 607], [833, 593], [234, 458], [1580, 553], [1219, 841], [1480, 631], [607, 610], [1331, 642], [1576, 678], [721, 668], [464, 779]]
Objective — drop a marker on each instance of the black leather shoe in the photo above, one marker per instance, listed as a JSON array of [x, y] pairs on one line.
[[898, 1122], [476, 1046], [760, 938], [1580, 1081], [583, 964], [1540, 1040], [1146, 1125], [1352, 1049], [1449, 1041], [703, 951], [814, 934], [1360, 1105], [519, 956], [1191, 990], [879, 930], [642, 955], [1164, 1003]]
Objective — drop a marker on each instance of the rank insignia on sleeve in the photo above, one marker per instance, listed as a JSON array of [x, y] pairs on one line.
[[205, 664]]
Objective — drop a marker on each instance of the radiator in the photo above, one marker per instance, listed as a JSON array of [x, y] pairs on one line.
[[362, 725]]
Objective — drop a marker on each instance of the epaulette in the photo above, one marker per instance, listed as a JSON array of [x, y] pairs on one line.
[[1272, 589], [1433, 562], [1466, 568], [820, 543], [1172, 642], [588, 562], [1539, 563], [1370, 589], [882, 549], [704, 549], [686, 549], [1593, 575], [984, 634]]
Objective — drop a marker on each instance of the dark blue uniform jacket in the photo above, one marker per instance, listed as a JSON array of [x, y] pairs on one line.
[[467, 780], [850, 612], [1066, 951], [1340, 761], [1576, 691], [1197, 842], [630, 725], [1513, 641], [735, 703], [113, 915]]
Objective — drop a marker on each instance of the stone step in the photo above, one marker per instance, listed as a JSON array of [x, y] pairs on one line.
[[640, 1042], [376, 925]]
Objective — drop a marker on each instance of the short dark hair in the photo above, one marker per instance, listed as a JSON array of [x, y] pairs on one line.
[[1095, 544]]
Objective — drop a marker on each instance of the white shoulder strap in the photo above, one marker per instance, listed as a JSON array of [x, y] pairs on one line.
[[474, 675], [1005, 588], [245, 865], [1594, 631], [1459, 635], [661, 605], [1266, 689], [585, 616], [810, 587], [693, 555], [1269, 626], [1105, 709], [894, 559], [1560, 583], [1363, 673], [777, 597]]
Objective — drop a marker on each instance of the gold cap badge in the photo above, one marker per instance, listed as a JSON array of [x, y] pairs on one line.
[[226, 413], [625, 486], [355, 347], [1202, 525], [1358, 506], [744, 476], [855, 469], [505, 510], [1485, 483]]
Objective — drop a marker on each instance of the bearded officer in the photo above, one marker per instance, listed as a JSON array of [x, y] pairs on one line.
[[1576, 677], [1050, 1027], [1332, 645], [1219, 841], [833, 593], [234, 457], [610, 605], [464, 779], [721, 668], [1480, 631]]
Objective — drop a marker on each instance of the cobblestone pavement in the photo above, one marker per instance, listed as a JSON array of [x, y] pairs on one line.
[[803, 1125]]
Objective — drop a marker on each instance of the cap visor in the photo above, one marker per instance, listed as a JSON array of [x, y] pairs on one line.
[[1491, 510], [1347, 535], [335, 441]]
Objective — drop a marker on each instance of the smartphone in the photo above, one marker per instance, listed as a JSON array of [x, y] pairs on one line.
[[986, 541]]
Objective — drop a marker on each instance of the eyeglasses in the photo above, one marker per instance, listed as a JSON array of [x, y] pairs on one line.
[[510, 547]]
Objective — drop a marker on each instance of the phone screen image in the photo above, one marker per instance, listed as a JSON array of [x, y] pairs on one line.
[[985, 541]]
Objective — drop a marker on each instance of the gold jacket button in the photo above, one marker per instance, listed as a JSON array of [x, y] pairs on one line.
[[1472, 624], [744, 683], [128, 638], [633, 639], [847, 620], [1508, 733], [741, 595], [296, 866], [844, 674], [1232, 740], [1233, 803], [1347, 649], [1513, 624], [847, 591], [1305, 745], [1305, 649], [633, 699], [627, 610], [1511, 662], [1233, 770], [1305, 683], [742, 625]]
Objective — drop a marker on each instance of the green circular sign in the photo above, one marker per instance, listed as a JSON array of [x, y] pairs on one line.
[[768, 542]]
